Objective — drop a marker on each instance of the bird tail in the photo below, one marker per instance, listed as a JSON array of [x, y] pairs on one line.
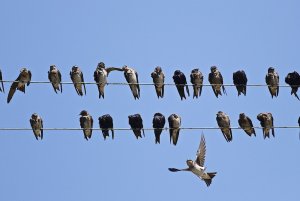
[[211, 174]]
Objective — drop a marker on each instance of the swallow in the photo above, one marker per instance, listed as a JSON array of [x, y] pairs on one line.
[[272, 80], [246, 124], [180, 81], [293, 79], [174, 127], [158, 81], [267, 122], [54, 77], [215, 78], [197, 167], [197, 81], [158, 125], [136, 124], [77, 79], [100, 77], [1, 80], [240, 81], [224, 124], [86, 123], [106, 124], [36, 123], [23, 79], [132, 79]]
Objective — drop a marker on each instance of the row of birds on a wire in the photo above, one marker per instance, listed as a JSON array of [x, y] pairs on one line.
[[101, 73]]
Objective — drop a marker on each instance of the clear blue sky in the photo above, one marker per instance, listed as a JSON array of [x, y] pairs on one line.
[[233, 34]]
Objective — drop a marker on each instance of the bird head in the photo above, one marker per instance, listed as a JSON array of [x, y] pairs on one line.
[[101, 65], [158, 69], [213, 69], [34, 116], [83, 113], [271, 70], [177, 72], [23, 70], [52, 67], [75, 68], [242, 115], [190, 163]]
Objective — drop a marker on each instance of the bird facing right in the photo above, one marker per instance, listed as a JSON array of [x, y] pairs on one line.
[[224, 124], [293, 79], [267, 122]]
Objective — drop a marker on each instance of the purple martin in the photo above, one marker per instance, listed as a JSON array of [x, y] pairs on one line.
[[136, 124], [158, 80], [132, 79], [86, 123], [180, 81], [174, 127], [293, 79], [158, 125], [267, 122], [1, 80], [240, 81], [215, 78], [246, 124], [54, 77], [197, 81], [36, 123], [77, 79], [224, 124], [106, 124], [272, 80]]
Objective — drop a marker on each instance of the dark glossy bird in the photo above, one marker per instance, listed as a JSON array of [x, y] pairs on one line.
[[158, 125], [1, 80], [240, 81], [180, 81], [100, 76], [215, 78], [197, 81], [106, 124], [86, 123], [293, 79], [23, 79], [224, 124], [272, 80], [54, 77], [132, 79], [78, 80], [36, 123], [197, 167], [136, 124], [158, 80], [267, 122], [174, 127], [246, 124]]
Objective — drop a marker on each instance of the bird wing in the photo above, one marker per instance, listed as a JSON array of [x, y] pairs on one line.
[[272, 120], [42, 130], [221, 79], [82, 122], [137, 80], [1, 81], [108, 70], [200, 159], [29, 74], [12, 89], [59, 76], [268, 83], [82, 79], [277, 76], [96, 78], [92, 123]]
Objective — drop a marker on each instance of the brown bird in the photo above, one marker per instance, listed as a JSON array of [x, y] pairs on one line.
[[215, 78], [267, 122], [77, 79], [1, 80], [174, 127], [158, 80], [132, 79], [224, 124], [272, 80], [86, 123], [36, 123], [197, 81], [246, 124], [54, 77]]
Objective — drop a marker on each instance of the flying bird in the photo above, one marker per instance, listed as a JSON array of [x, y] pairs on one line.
[[77, 79], [197, 167], [158, 80], [240, 81], [180, 81], [132, 79], [36, 123], [136, 124], [224, 124], [215, 78], [158, 125], [174, 127], [86, 123], [267, 122], [54, 77], [272, 80], [197, 81], [1, 80], [293, 79], [23, 79], [246, 124], [106, 123]]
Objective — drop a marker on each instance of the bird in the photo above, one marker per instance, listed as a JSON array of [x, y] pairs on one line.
[[100, 77], [293, 79], [78, 80], [158, 124], [54, 77], [86, 123], [197, 81], [1, 80], [240, 81], [197, 167], [272, 80], [224, 124], [132, 79], [23, 79], [36, 123], [215, 78], [136, 124], [267, 122], [158, 81], [106, 124], [174, 127], [180, 81], [246, 124]]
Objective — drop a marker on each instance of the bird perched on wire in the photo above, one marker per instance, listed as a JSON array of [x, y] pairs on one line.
[[180, 81], [1, 80], [54, 77], [174, 127], [267, 122], [197, 81], [293, 79], [106, 123], [197, 167], [78, 80], [136, 124], [215, 78], [158, 125], [23, 79], [86, 123], [36, 123], [240, 81], [224, 124], [132, 79], [246, 124], [158, 81], [272, 80]]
